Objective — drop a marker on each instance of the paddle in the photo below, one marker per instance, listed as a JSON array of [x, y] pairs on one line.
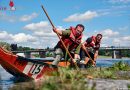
[[60, 38]]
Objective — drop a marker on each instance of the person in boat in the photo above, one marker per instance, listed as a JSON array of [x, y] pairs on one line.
[[90, 49], [72, 40]]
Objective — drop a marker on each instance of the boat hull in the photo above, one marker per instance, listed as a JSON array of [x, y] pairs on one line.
[[22, 67]]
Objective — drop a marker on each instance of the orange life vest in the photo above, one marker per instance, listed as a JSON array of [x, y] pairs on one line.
[[93, 43], [72, 41]]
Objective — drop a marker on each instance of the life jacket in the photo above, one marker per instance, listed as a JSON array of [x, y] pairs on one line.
[[93, 43], [72, 41]]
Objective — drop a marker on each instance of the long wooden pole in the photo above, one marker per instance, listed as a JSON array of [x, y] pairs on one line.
[[59, 37]]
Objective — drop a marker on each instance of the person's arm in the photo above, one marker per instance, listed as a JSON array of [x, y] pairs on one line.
[[96, 51], [62, 32], [84, 45], [95, 55], [57, 31]]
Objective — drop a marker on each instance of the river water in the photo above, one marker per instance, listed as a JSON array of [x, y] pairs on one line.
[[7, 80]]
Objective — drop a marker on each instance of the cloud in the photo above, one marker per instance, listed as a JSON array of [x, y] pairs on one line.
[[28, 40], [5, 36], [21, 37], [44, 33], [88, 15], [41, 29], [44, 42], [109, 33], [121, 41], [28, 17], [40, 26], [109, 37], [114, 38], [126, 38], [17, 38]]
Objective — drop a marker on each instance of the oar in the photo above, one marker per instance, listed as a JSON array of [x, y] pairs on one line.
[[86, 51], [60, 38]]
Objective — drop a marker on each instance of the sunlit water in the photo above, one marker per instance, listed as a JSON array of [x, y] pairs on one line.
[[7, 80]]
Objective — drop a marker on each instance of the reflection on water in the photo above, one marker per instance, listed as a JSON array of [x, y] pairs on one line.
[[7, 80]]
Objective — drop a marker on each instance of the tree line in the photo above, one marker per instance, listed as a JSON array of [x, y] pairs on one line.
[[124, 53]]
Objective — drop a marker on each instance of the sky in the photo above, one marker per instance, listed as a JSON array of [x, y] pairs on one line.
[[28, 25]]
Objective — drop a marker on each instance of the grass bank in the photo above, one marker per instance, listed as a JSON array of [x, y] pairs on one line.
[[70, 79]]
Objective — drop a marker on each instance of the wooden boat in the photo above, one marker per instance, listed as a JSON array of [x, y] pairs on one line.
[[24, 67]]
